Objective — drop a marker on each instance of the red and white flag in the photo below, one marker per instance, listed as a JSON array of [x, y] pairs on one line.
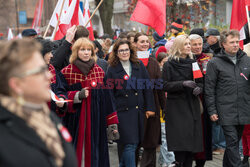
[[68, 19], [151, 13], [143, 56], [38, 16], [56, 99], [10, 35], [55, 16], [86, 16], [239, 17], [196, 71]]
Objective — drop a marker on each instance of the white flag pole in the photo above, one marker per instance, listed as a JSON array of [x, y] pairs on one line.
[[248, 19], [93, 12]]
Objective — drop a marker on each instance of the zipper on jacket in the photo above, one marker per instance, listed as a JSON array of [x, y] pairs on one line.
[[237, 89]]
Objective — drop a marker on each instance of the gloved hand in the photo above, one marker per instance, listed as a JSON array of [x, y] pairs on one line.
[[197, 91], [189, 84], [112, 132], [84, 93]]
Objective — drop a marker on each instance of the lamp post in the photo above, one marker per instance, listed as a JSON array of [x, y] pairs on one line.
[[17, 23]]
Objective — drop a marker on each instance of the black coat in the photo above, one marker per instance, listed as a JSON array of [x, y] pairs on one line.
[[130, 102], [61, 54], [22, 147], [227, 93], [183, 119]]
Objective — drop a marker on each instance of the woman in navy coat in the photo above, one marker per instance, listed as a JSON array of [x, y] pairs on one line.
[[126, 77]]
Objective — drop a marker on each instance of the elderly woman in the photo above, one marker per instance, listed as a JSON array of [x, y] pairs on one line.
[[90, 106], [152, 132], [132, 100], [30, 133], [183, 119]]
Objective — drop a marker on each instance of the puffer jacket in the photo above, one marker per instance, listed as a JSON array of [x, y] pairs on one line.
[[227, 88]]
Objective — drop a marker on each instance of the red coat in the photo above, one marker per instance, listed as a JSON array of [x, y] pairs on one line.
[[80, 117]]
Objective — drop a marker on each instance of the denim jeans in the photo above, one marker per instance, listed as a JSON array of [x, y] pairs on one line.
[[165, 156], [218, 137], [128, 156]]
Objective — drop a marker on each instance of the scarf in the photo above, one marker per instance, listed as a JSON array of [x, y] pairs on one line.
[[37, 117], [84, 66]]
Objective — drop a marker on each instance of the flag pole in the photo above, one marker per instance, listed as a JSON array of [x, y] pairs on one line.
[[58, 21], [94, 13], [46, 31], [248, 19]]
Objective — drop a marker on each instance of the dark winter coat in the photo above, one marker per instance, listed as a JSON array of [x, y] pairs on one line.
[[131, 101], [21, 146], [152, 132], [227, 91], [183, 119], [61, 55]]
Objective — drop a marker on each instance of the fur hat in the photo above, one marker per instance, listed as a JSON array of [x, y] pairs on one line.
[[177, 25], [157, 37], [198, 31], [47, 45]]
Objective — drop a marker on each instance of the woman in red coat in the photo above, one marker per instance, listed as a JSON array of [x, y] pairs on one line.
[[89, 107]]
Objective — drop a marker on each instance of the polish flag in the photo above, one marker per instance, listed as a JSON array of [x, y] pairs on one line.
[[68, 19], [38, 16], [10, 34], [56, 99], [196, 71], [86, 15], [19, 36], [56, 13], [239, 17], [143, 56]]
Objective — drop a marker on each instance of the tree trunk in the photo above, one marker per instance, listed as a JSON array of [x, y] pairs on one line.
[[106, 13]]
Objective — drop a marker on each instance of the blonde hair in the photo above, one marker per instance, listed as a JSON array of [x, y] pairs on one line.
[[85, 43], [13, 56], [178, 45]]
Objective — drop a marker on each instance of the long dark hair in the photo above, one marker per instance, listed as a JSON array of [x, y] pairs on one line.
[[114, 59]]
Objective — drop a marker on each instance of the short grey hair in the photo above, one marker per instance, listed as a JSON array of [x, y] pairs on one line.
[[195, 36]]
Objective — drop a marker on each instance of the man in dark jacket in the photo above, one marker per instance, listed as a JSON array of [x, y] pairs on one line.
[[212, 38], [227, 93]]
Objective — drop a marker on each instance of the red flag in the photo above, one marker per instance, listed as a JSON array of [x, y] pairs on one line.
[[239, 18], [247, 2], [151, 13], [37, 16]]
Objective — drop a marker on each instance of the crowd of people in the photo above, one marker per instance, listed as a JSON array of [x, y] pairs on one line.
[[187, 94]]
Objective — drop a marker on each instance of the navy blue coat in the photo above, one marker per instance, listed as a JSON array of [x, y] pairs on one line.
[[131, 100]]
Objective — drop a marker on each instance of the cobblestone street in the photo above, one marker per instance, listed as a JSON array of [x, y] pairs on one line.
[[217, 159]]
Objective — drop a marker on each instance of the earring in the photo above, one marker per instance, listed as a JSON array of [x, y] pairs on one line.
[[20, 100]]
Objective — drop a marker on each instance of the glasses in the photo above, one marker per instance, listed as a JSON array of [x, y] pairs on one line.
[[36, 71], [123, 51]]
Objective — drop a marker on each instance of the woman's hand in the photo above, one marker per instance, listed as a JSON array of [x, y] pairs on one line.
[[150, 114], [60, 104], [84, 93]]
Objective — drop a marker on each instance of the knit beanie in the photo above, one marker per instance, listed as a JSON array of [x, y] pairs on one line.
[[157, 37], [177, 25]]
